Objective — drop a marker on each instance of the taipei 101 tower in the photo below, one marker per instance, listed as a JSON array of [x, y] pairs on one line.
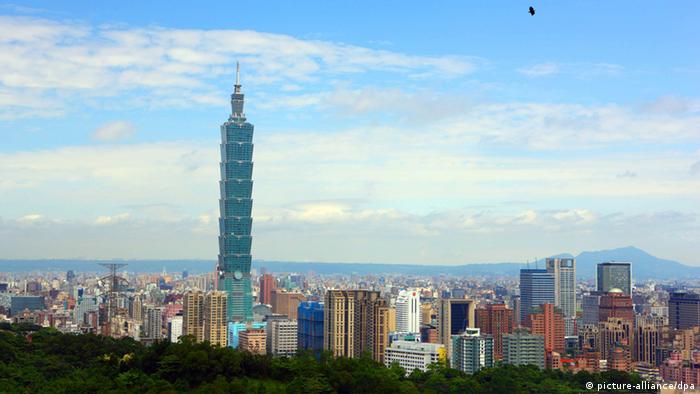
[[235, 207]]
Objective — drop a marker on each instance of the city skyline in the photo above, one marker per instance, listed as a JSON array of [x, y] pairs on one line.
[[373, 146]]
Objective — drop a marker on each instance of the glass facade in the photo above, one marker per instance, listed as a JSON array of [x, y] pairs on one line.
[[235, 206], [615, 275], [536, 288]]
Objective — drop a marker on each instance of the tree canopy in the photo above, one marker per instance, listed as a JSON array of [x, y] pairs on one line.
[[39, 360]]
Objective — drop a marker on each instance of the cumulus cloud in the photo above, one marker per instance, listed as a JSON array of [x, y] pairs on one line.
[[114, 131]]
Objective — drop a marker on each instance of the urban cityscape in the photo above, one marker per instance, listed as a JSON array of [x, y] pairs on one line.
[[553, 319]]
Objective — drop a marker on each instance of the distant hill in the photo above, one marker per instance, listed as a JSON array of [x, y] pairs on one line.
[[644, 266]]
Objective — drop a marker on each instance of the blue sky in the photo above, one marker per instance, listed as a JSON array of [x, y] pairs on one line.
[[394, 132]]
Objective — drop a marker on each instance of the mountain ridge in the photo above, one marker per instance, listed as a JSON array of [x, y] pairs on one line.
[[644, 266]]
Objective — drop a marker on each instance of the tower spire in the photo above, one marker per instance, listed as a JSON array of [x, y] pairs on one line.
[[237, 86]]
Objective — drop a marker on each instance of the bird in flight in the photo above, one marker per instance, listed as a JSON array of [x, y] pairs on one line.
[[532, 11]]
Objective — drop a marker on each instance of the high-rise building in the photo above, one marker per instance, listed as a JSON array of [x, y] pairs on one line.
[[31, 303], [548, 321], [310, 326], [215, 323], [267, 285], [647, 339], [495, 319], [286, 303], [253, 340], [408, 311], [282, 337], [412, 355], [426, 313], [472, 351], [614, 332], [536, 288], [356, 321], [235, 207], [153, 328], [615, 304], [683, 310], [523, 348], [83, 305], [175, 327], [564, 272], [455, 315], [614, 275], [193, 315], [590, 304]]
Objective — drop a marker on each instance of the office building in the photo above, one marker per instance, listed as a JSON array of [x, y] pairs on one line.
[[282, 337], [496, 320], [215, 322], [19, 304], [683, 310], [286, 303], [175, 328], [408, 311], [614, 275], [412, 355], [356, 321], [235, 205], [523, 348], [615, 304], [564, 272], [193, 315], [472, 351], [310, 326], [268, 284], [548, 321], [590, 304], [84, 305], [455, 315], [536, 288], [253, 340]]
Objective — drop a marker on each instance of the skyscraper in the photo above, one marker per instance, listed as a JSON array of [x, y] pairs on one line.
[[614, 275], [267, 285], [286, 303], [310, 326], [215, 318], [497, 320], [564, 272], [193, 315], [455, 315], [536, 288], [684, 310], [356, 321], [615, 304], [408, 311], [548, 322], [235, 207]]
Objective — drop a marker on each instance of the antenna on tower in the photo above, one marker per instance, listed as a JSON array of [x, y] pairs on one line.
[[237, 86]]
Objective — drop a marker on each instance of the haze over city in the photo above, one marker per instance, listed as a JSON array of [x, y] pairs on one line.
[[432, 134]]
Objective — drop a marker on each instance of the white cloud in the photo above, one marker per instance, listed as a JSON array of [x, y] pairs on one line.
[[577, 70], [103, 220], [539, 70], [114, 131], [48, 58]]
